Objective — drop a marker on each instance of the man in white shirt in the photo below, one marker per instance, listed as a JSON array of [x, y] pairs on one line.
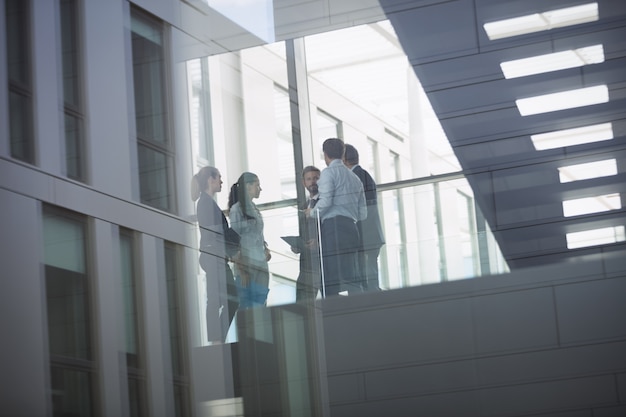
[[341, 203]]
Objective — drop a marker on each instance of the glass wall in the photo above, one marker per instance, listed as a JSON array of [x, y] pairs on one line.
[[361, 89]]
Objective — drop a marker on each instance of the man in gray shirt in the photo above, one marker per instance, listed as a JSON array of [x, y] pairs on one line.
[[341, 204]]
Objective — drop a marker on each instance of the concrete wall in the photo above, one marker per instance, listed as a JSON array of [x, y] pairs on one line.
[[541, 342]]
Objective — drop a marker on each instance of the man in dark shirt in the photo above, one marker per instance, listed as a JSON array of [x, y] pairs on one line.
[[309, 278], [370, 229]]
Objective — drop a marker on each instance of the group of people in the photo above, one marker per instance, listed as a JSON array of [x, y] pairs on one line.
[[340, 243], [247, 284], [343, 233]]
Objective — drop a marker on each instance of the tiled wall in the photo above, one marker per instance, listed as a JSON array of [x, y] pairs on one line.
[[545, 341]]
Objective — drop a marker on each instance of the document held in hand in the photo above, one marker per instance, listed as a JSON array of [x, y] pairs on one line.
[[294, 241]]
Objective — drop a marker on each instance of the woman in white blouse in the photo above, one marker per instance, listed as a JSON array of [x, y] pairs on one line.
[[251, 268]]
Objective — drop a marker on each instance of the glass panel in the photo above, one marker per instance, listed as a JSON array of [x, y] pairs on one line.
[[64, 243], [66, 286], [69, 52], [67, 304], [174, 312], [361, 77], [137, 405], [21, 127], [136, 398], [200, 109], [181, 401], [151, 112], [20, 84], [129, 291], [74, 132], [17, 41], [153, 178], [149, 79], [71, 393], [74, 146], [248, 134], [68, 313], [176, 330], [326, 126], [284, 265], [441, 235], [285, 143]]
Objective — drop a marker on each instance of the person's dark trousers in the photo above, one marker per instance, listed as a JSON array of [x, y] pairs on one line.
[[340, 245], [308, 282], [226, 317], [368, 264], [222, 297]]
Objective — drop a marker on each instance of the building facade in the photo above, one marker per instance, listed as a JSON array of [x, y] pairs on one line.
[[503, 267]]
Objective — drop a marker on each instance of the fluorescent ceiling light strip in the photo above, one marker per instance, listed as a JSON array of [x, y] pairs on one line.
[[542, 21], [563, 100], [589, 205], [595, 237], [553, 62], [571, 137], [589, 170]]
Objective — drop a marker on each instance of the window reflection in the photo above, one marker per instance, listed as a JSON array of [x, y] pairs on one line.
[[176, 327], [358, 83], [68, 312], [20, 83], [131, 337], [151, 116], [72, 98]]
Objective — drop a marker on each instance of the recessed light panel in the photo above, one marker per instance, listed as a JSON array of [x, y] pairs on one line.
[[553, 62], [589, 205], [563, 100], [595, 237], [570, 137], [542, 21], [579, 172]]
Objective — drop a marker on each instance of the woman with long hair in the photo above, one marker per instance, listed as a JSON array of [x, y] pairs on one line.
[[222, 297], [251, 268]]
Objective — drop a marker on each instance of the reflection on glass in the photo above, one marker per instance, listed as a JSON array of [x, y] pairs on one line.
[[131, 337], [74, 146], [200, 110], [20, 84], [71, 392], [68, 307], [361, 77], [73, 112], [154, 177], [176, 330], [151, 117], [326, 126], [359, 83], [285, 142], [249, 116]]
